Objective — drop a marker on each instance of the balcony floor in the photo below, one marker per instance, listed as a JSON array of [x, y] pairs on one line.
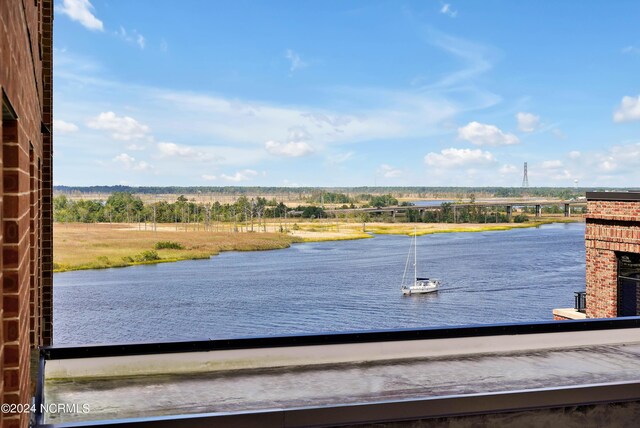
[[256, 389]]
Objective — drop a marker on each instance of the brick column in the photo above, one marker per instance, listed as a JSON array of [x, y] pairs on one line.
[[16, 260], [34, 251], [602, 282], [47, 174], [2, 338], [612, 229]]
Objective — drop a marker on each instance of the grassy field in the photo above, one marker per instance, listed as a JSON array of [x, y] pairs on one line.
[[99, 245], [430, 228]]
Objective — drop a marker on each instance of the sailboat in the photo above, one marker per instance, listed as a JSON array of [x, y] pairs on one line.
[[419, 285]]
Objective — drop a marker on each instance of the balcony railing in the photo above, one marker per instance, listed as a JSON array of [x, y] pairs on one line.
[[580, 301]]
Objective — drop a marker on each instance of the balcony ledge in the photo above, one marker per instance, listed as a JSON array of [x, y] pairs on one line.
[[569, 314]]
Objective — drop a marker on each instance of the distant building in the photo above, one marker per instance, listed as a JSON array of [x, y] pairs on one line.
[[612, 240], [25, 195]]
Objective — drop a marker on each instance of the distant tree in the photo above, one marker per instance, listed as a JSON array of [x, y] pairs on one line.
[[383, 201], [311, 211], [124, 206]]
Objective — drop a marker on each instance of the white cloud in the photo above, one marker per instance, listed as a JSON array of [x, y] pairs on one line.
[[458, 157], [129, 162], [552, 164], [121, 128], [291, 149], [528, 122], [619, 159], [131, 37], [389, 171], [447, 10], [62, 127], [237, 128], [296, 62], [340, 157], [401, 115], [558, 134], [175, 150], [614, 166], [608, 165], [489, 135], [508, 169], [244, 175], [629, 110], [208, 177], [81, 11]]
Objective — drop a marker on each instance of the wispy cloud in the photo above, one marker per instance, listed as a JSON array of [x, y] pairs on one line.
[[172, 150], [631, 50], [461, 83], [447, 9], [527, 122], [481, 134], [129, 162], [122, 128], [291, 149], [81, 11], [452, 157], [62, 127], [552, 164], [341, 157], [231, 131], [296, 63], [131, 36], [243, 175], [476, 58], [388, 171], [508, 169]]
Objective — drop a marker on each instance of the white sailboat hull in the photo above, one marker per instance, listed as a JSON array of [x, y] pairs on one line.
[[421, 287]]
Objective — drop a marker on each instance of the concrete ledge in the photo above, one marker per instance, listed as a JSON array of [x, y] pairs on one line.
[[261, 358], [568, 314]]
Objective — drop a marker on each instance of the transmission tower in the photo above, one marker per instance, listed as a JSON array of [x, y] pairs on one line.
[[525, 178]]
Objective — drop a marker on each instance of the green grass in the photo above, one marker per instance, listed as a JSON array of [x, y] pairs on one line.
[[103, 246]]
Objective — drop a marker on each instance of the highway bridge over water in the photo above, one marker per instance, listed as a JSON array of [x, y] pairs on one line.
[[506, 206]]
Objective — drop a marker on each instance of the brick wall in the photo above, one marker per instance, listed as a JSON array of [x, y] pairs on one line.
[[613, 226], [25, 159]]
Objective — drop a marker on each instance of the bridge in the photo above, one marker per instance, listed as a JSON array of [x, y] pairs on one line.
[[508, 206]]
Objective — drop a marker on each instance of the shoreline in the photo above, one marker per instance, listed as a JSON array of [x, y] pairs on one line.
[[302, 236]]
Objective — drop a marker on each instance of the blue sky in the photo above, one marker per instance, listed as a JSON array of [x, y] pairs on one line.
[[346, 93]]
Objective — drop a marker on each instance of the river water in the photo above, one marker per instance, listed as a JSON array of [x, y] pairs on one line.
[[487, 277]]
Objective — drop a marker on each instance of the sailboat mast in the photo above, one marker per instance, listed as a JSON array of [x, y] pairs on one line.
[[415, 255]]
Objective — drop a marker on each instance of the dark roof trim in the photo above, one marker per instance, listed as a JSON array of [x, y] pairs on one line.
[[117, 350], [613, 196]]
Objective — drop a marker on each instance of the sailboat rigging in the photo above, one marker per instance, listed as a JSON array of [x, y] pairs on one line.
[[419, 285]]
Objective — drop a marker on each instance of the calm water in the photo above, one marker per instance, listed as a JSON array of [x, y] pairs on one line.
[[509, 276]]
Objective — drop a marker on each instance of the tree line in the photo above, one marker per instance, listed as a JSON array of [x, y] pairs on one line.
[[124, 207], [450, 192]]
